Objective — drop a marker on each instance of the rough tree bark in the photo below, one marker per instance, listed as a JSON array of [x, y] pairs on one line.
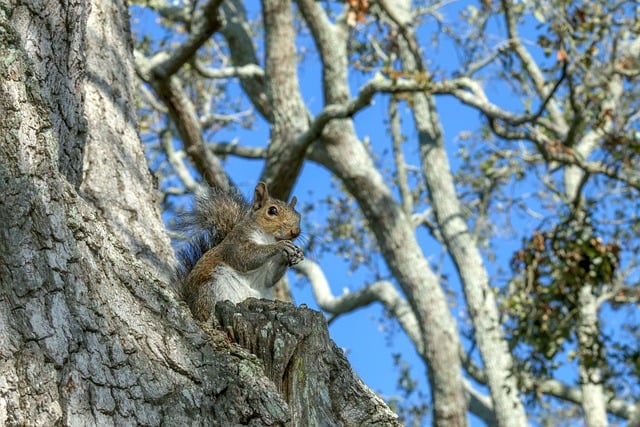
[[90, 333], [87, 84], [304, 364]]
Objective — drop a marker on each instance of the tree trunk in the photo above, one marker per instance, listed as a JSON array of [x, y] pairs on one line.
[[88, 336], [589, 354], [307, 368], [480, 298], [508, 406], [90, 333], [286, 155]]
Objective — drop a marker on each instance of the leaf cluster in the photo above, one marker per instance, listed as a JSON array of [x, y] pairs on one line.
[[542, 302]]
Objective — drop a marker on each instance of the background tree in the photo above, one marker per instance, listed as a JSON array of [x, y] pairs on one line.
[[90, 331], [533, 199]]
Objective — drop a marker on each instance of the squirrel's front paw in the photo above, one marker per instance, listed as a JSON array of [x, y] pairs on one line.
[[292, 253]]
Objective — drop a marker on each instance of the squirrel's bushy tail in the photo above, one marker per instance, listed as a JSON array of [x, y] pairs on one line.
[[215, 214]]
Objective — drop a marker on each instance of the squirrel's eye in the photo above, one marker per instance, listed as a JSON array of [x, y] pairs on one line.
[[273, 211]]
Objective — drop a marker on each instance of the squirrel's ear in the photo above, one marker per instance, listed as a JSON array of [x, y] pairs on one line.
[[260, 195], [293, 201]]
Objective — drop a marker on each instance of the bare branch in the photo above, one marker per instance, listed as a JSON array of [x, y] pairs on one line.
[[181, 55], [167, 9], [473, 68], [465, 89], [150, 97], [286, 155], [237, 34], [246, 71], [234, 149], [555, 388], [401, 167], [480, 404], [533, 117], [404, 25], [175, 160], [383, 292], [530, 65], [592, 138], [213, 118], [557, 152], [343, 111]]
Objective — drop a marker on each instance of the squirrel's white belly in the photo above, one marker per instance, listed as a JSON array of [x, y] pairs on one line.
[[237, 286]]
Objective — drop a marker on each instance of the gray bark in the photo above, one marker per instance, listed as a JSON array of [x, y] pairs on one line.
[[480, 298], [237, 34], [393, 231], [88, 336], [58, 71], [591, 140], [483, 309], [86, 76]]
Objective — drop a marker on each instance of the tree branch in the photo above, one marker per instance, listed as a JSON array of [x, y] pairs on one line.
[[533, 117], [480, 404], [167, 10], [533, 71], [555, 388], [175, 160], [383, 292], [590, 141], [398, 155], [237, 34], [290, 115], [183, 115], [404, 25], [465, 89], [234, 149], [559, 153], [245, 71], [461, 246], [209, 25]]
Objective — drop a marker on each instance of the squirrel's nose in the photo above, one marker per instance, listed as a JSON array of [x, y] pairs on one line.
[[294, 232]]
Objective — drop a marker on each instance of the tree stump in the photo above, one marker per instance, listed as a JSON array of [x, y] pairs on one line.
[[306, 366]]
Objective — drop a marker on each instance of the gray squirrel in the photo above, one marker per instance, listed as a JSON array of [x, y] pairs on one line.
[[238, 250]]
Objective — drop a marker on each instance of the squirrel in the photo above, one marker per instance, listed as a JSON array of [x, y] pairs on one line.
[[239, 250]]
